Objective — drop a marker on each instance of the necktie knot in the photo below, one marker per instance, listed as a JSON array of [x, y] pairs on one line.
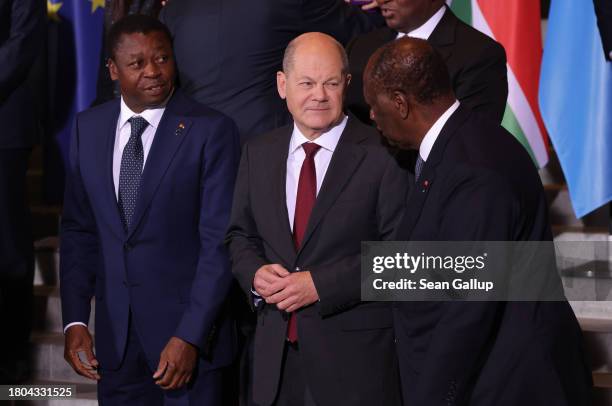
[[310, 148], [138, 125]]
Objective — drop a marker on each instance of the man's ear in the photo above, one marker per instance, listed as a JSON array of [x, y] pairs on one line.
[[112, 69], [281, 84], [401, 103]]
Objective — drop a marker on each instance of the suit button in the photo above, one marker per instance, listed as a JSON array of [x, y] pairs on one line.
[[396, 340], [127, 247], [297, 269]]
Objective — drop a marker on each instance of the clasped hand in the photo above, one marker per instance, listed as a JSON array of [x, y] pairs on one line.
[[289, 291]]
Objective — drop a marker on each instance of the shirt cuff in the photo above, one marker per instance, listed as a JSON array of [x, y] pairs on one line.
[[256, 297], [74, 324]]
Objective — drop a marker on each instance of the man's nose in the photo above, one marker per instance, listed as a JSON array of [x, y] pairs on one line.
[[319, 93], [152, 70]]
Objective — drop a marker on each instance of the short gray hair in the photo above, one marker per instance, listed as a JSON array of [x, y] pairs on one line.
[[289, 56]]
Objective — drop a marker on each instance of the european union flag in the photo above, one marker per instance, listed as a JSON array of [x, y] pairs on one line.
[[75, 38], [576, 102]]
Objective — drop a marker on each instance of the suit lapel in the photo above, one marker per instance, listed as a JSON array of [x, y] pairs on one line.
[[106, 137], [345, 160], [279, 153], [418, 195], [443, 36], [172, 130]]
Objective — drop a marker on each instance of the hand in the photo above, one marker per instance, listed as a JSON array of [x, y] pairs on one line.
[[367, 6], [176, 364], [370, 6], [298, 291], [268, 279], [78, 339]]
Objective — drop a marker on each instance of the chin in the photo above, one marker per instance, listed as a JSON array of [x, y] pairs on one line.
[[156, 100], [323, 125], [392, 23]]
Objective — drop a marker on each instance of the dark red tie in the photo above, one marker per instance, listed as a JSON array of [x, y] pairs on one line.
[[304, 202]]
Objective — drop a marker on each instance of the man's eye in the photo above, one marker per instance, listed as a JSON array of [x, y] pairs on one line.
[[135, 64], [305, 84], [332, 84], [162, 59]]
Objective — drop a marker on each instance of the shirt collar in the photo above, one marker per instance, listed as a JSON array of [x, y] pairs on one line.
[[425, 30], [153, 116], [328, 140], [432, 135]]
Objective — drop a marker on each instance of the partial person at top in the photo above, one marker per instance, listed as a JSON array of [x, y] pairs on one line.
[[476, 63], [228, 51]]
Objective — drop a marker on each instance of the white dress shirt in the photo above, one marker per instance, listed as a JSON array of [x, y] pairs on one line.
[[122, 136], [432, 135], [425, 30], [328, 142]]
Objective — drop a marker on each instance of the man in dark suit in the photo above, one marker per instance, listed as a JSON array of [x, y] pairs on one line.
[[146, 207], [476, 63], [22, 34], [306, 196], [474, 182], [228, 51]]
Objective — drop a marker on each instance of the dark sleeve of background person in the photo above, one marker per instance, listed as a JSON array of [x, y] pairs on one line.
[[339, 19], [479, 79], [114, 10], [21, 36], [603, 9]]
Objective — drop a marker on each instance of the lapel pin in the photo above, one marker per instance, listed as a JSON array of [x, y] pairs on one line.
[[180, 128], [425, 185]]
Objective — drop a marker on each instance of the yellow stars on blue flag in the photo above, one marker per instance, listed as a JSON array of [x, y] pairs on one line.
[[95, 4], [52, 10]]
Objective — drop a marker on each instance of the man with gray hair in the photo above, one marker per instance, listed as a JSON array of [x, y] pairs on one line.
[[306, 196]]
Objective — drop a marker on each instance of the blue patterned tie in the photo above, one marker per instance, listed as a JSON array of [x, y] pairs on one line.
[[418, 168], [131, 170]]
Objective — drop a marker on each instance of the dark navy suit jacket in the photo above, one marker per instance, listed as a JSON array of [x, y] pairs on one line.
[[170, 269], [479, 184]]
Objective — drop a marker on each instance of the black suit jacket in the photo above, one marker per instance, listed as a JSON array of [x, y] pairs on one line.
[[22, 34], [228, 51], [475, 62], [346, 347], [482, 186]]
